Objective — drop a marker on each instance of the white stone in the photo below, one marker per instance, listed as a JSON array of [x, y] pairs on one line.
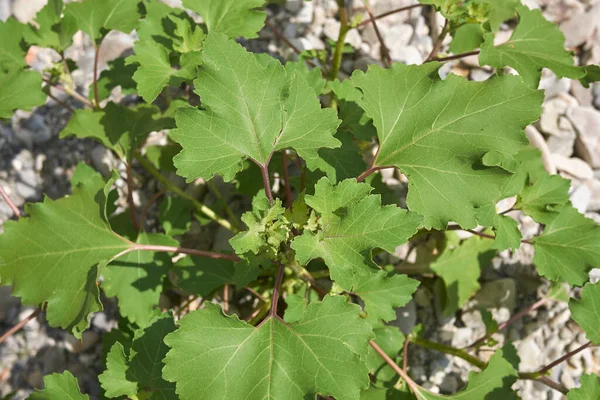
[[102, 159], [580, 198], [305, 16], [530, 354], [594, 187], [580, 27], [573, 166], [587, 124]]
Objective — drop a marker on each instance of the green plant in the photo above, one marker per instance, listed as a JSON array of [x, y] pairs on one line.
[[460, 144]]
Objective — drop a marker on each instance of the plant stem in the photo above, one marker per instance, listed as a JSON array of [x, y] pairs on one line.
[[255, 293], [71, 93], [385, 53], [563, 358], [276, 290], [59, 102], [10, 203], [405, 354], [285, 40], [148, 205], [230, 214], [438, 43], [286, 180], [336, 61], [264, 169], [95, 77], [226, 298], [411, 384], [387, 13], [368, 172], [456, 56], [481, 234], [180, 250], [513, 319], [132, 210], [448, 350], [175, 189], [20, 325]]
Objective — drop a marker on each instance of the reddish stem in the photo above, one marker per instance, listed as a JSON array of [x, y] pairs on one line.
[[387, 13], [132, 211], [368, 172], [385, 53], [20, 325], [405, 354], [286, 179], [60, 102], [276, 290], [438, 43], [255, 293], [10, 203], [411, 384], [456, 56], [95, 77], [563, 358], [264, 169]]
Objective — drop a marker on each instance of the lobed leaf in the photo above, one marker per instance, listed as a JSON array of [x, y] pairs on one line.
[[97, 17], [231, 17], [59, 387], [589, 389], [20, 90], [586, 311]]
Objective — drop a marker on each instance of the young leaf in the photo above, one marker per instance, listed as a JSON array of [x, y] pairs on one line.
[[320, 354], [202, 276], [585, 313], [460, 269], [247, 118], [52, 30], [20, 90], [68, 241], [232, 17], [382, 293], [136, 279], [589, 390], [535, 44], [538, 197], [353, 224], [12, 56], [568, 248], [118, 74], [59, 387], [114, 378], [441, 150], [97, 17]]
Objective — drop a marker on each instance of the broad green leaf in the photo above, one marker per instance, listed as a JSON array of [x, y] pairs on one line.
[[97, 17], [85, 174], [538, 197], [466, 38], [441, 149], [114, 379], [391, 341], [246, 118], [118, 74], [175, 215], [202, 276], [188, 35], [343, 162], [585, 311], [507, 233], [568, 248], [535, 44], [146, 357], [59, 387], [156, 24], [51, 30], [232, 17], [383, 292], [460, 268], [297, 303], [12, 56], [320, 354], [589, 389], [20, 90], [353, 224], [118, 127], [489, 13], [136, 279], [54, 256], [314, 77], [493, 383]]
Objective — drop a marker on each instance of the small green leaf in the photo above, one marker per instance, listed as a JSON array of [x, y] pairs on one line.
[[568, 248], [20, 90], [466, 38], [343, 162], [59, 387], [97, 17], [51, 30], [114, 379], [352, 224], [460, 269], [535, 44], [589, 390], [12, 56], [441, 150], [585, 311], [232, 17], [320, 354], [175, 215], [202, 276], [247, 118]]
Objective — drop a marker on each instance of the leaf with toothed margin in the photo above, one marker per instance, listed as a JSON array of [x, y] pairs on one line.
[[535, 44], [97, 17], [51, 30], [586, 311], [12, 56], [352, 223], [67, 242], [202, 276], [231, 17], [322, 353], [437, 133], [59, 387], [245, 118], [20, 90], [568, 248], [589, 389]]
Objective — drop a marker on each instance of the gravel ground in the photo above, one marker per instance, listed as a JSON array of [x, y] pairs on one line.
[[34, 162]]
